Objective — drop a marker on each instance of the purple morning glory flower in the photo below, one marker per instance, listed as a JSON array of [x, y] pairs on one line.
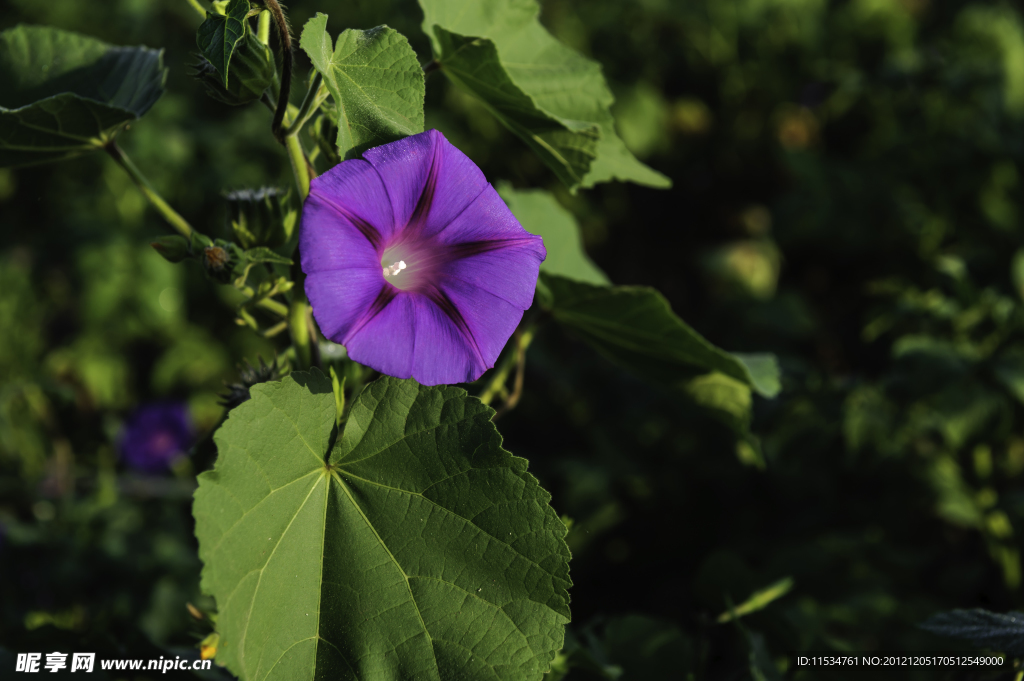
[[155, 434], [414, 263]]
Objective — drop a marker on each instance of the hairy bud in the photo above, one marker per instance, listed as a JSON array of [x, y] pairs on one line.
[[258, 217]]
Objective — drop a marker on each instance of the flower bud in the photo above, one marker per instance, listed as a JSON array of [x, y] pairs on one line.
[[173, 248], [258, 217], [220, 260], [250, 73]]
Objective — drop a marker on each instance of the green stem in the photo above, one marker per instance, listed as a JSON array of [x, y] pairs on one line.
[[298, 324], [274, 306], [269, 304], [498, 382], [516, 359], [262, 27], [199, 8], [525, 338], [310, 103], [265, 100], [300, 170], [171, 215]]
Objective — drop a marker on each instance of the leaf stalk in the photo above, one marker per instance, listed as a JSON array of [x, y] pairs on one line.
[[173, 218], [300, 168], [310, 103], [199, 8]]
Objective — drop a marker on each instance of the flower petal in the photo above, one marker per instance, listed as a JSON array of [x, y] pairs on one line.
[[344, 300], [488, 321], [443, 352], [493, 252], [486, 218], [387, 340], [429, 181], [351, 193], [424, 201]]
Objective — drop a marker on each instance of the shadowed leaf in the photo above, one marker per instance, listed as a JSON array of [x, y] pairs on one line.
[[62, 94], [1000, 632], [635, 327]]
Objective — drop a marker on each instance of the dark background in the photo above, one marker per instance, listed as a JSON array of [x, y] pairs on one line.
[[847, 195]]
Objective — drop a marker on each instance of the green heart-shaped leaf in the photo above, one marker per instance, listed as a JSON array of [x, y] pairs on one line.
[[62, 94], [218, 37], [375, 80], [548, 94], [414, 547]]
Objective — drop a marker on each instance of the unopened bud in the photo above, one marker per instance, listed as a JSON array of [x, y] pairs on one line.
[[258, 217], [250, 73], [219, 260]]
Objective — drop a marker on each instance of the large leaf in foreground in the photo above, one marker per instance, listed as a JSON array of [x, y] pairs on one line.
[[420, 550], [375, 80], [62, 94], [635, 327], [548, 94]]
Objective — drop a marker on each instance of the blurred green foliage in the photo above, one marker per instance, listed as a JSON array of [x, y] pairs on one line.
[[847, 194]]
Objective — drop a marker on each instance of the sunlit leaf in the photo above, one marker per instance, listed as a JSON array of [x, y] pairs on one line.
[[635, 327], [375, 80], [412, 546], [552, 97], [540, 213], [62, 94]]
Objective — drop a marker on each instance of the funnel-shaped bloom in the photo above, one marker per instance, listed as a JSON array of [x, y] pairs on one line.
[[414, 263]]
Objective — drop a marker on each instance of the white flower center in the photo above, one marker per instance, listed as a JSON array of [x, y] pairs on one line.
[[394, 269]]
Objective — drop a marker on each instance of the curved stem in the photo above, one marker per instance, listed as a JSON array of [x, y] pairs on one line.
[[299, 327], [310, 103], [518, 360], [263, 27], [169, 214], [286, 52], [266, 101], [198, 8], [525, 338]]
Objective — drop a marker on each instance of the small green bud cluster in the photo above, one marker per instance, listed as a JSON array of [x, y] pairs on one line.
[[259, 217], [218, 257]]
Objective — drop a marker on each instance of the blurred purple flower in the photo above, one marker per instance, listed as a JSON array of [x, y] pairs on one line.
[[414, 263], [155, 434]]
